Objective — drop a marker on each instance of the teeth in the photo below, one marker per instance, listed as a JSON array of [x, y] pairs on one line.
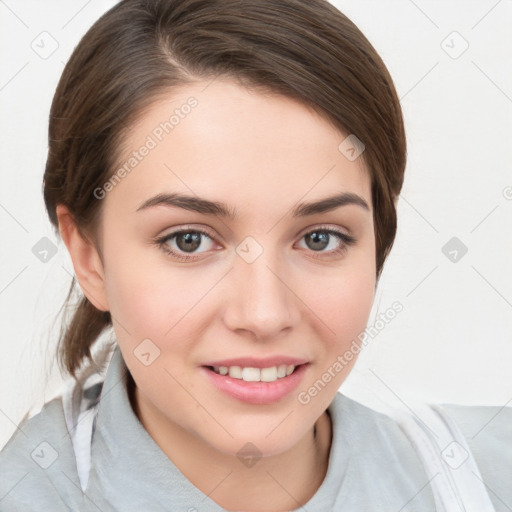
[[235, 372], [256, 374], [251, 374], [269, 374]]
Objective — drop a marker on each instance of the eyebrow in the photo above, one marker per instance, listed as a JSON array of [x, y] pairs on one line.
[[205, 206]]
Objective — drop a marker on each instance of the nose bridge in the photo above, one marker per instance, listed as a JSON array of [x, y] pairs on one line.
[[262, 301]]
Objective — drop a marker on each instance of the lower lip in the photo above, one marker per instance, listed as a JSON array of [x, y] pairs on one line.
[[259, 393]]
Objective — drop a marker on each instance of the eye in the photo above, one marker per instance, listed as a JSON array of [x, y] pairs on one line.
[[186, 241], [324, 237]]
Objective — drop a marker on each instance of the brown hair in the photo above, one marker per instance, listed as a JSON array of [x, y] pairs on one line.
[[304, 49]]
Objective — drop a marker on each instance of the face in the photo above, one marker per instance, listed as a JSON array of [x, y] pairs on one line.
[[187, 285]]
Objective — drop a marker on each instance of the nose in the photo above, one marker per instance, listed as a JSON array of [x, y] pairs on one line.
[[260, 297]]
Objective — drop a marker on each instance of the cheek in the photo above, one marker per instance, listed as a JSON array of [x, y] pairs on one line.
[[353, 305], [151, 299], [346, 305], [342, 300], [135, 288], [145, 302]]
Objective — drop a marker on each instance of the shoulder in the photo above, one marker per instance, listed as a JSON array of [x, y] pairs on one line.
[[370, 423], [385, 440], [488, 433], [37, 465], [464, 451], [380, 457]]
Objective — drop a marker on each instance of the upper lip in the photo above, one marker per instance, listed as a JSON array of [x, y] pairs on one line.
[[254, 362]]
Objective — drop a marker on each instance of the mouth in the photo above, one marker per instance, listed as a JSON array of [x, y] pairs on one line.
[[256, 386]]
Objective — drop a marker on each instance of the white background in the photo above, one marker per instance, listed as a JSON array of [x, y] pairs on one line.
[[451, 342]]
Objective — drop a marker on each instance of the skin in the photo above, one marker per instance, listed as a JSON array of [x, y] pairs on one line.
[[261, 154]]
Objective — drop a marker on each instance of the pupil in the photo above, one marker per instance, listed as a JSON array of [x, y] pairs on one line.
[[188, 241], [319, 239]]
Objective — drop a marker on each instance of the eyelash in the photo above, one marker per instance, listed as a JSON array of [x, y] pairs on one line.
[[346, 242]]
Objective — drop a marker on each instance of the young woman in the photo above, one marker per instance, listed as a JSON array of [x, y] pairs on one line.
[[224, 175]]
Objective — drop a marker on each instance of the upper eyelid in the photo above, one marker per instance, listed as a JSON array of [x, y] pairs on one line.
[[187, 228], [324, 227]]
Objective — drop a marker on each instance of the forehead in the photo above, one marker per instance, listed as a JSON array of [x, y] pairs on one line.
[[246, 148]]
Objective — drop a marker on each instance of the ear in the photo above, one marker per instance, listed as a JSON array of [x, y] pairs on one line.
[[86, 260]]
